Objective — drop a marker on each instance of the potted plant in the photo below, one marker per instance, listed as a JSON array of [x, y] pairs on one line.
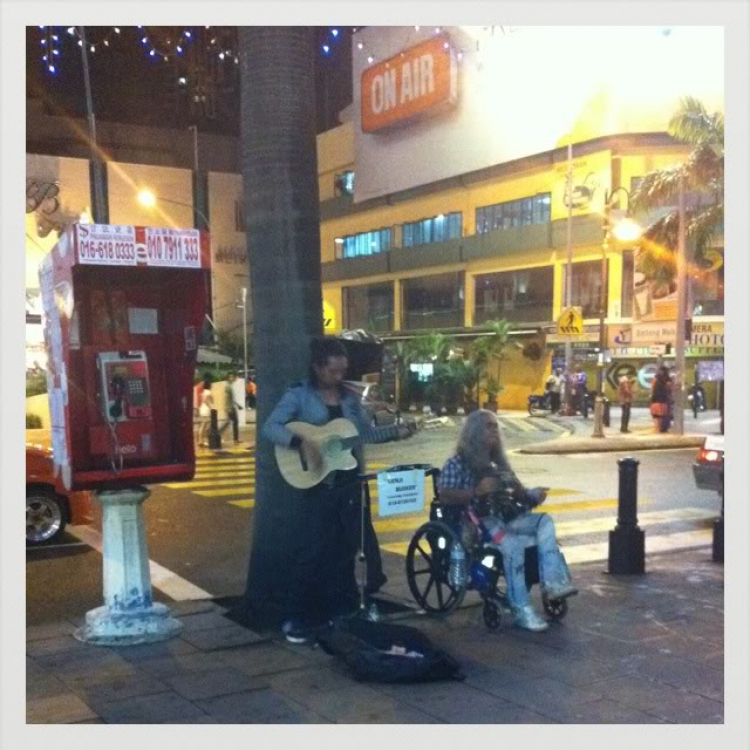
[[492, 388]]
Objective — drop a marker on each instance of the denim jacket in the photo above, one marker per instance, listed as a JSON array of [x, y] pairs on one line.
[[302, 403]]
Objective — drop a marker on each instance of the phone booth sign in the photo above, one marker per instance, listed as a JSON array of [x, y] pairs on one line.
[[123, 307]]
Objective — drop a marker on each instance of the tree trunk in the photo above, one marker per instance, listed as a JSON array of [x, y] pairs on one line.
[[280, 181]]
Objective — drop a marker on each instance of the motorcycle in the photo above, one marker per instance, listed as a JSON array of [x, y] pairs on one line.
[[541, 403]]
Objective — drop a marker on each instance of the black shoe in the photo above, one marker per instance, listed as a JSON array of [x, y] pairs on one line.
[[295, 632]]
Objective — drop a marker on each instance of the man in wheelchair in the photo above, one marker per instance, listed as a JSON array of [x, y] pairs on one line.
[[479, 475]]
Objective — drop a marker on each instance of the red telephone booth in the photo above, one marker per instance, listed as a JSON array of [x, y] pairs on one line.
[[124, 306]]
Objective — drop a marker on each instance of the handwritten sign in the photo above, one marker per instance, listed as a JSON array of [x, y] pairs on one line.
[[400, 492]]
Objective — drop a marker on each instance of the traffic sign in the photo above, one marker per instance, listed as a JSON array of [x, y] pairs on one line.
[[570, 322]]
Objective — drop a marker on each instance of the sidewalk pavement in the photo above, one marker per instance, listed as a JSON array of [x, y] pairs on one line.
[[632, 649]]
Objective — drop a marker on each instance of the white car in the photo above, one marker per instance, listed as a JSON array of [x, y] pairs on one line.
[[708, 467]]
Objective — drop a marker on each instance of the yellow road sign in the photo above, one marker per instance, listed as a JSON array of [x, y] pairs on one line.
[[570, 322]]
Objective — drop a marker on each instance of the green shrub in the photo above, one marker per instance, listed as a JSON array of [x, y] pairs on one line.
[[36, 384], [33, 422]]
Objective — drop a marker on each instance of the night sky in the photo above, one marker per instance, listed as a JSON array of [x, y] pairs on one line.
[[196, 87]]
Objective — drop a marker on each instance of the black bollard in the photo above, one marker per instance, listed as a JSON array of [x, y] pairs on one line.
[[605, 415], [627, 554], [717, 548], [214, 437]]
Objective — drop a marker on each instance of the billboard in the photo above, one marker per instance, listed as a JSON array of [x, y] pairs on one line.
[[518, 91]]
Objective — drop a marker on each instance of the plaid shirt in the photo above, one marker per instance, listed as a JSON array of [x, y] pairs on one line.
[[456, 475]]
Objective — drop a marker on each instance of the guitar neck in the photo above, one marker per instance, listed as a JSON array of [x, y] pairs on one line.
[[375, 433]]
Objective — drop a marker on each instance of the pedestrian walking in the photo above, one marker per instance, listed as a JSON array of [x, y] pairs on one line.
[[625, 397], [231, 406], [204, 412], [660, 399]]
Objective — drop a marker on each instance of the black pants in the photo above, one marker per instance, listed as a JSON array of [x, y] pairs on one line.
[[624, 417], [322, 578], [232, 417], [554, 399]]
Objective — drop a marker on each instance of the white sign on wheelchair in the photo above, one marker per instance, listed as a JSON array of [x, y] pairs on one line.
[[400, 492]]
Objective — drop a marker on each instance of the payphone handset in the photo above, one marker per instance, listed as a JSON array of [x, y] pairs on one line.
[[124, 385]]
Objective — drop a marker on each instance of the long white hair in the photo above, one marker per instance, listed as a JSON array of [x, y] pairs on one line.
[[471, 444]]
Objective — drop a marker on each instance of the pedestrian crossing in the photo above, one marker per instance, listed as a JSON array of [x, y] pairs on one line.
[[231, 480]]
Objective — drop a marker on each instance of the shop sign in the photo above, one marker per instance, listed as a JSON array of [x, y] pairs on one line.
[[707, 335], [654, 333], [415, 82]]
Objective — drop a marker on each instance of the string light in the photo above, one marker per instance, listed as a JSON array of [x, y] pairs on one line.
[[335, 32]]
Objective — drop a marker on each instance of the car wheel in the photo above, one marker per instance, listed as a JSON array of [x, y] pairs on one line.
[[45, 516]]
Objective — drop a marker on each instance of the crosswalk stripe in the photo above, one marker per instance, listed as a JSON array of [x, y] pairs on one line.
[[236, 481], [578, 553], [593, 525], [237, 490], [243, 503], [225, 473], [581, 553], [230, 461], [555, 492], [520, 424]]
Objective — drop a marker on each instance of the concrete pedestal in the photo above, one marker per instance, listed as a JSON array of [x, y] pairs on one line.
[[627, 551], [128, 616]]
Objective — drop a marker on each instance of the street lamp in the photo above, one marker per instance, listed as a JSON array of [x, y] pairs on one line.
[[624, 230], [147, 198]]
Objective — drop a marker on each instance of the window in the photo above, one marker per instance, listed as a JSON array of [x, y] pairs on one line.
[[343, 183], [518, 213], [519, 296], [370, 307], [365, 243], [437, 229], [586, 287], [433, 302], [626, 292]]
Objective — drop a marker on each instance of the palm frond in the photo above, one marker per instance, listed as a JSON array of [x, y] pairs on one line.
[[694, 125]]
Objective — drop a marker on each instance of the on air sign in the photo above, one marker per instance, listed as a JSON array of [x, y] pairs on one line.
[[418, 81]]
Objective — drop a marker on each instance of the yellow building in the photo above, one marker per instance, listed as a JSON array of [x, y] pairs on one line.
[[489, 243]]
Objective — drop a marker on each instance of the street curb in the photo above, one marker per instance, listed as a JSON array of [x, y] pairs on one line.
[[612, 444]]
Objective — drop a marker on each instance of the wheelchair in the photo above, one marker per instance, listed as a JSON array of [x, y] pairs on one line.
[[428, 565]]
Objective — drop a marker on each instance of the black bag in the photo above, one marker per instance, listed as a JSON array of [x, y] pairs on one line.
[[383, 652]]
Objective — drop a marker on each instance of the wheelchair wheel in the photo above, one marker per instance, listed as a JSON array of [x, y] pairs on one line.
[[492, 614], [427, 566], [555, 608]]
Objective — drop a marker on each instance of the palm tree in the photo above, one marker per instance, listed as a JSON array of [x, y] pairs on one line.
[[702, 176], [487, 348], [280, 178]]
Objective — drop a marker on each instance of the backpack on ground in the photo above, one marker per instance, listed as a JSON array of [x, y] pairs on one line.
[[384, 652]]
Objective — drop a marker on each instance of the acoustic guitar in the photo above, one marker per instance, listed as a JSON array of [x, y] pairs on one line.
[[335, 442]]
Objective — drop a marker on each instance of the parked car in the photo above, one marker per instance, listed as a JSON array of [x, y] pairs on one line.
[[708, 467], [381, 411], [49, 507]]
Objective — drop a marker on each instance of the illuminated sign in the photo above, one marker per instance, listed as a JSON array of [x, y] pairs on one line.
[[418, 81]]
